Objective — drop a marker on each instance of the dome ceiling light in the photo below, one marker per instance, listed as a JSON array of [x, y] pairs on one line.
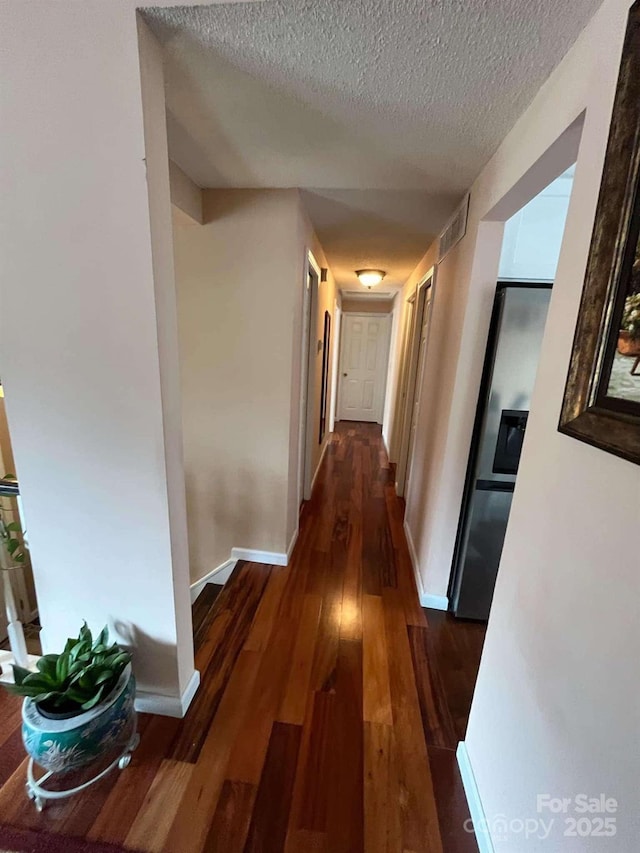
[[369, 278]]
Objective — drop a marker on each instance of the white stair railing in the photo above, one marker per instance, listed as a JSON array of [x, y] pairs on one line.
[[8, 568], [15, 631]]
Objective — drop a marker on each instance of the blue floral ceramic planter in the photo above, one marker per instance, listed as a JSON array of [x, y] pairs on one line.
[[63, 745]]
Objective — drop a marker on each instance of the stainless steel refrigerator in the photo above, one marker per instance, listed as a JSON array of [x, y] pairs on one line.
[[511, 361]]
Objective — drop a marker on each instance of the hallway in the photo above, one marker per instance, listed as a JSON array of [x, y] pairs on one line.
[[330, 705]]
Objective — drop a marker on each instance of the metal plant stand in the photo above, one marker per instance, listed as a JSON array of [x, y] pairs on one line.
[[40, 795]]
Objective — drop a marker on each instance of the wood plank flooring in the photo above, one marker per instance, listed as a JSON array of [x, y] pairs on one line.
[[330, 706]]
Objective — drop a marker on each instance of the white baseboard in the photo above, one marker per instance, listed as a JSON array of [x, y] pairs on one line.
[[292, 544], [219, 575], [168, 706], [412, 552], [434, 602], [222, 573], [386, 449], [271, 558], [485, 844], [317, 471]]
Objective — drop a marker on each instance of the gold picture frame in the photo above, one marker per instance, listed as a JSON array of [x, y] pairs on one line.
[[601, 403]]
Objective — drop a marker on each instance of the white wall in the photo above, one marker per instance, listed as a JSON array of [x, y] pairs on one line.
[[185, 194], [557, 703], [533, 235], [326, 299], [87, 332], [394, 417], [367, 306], [240, 279], [236, 276]]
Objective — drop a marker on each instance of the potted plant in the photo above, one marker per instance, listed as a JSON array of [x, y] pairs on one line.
[[78, 704], [629, 337]]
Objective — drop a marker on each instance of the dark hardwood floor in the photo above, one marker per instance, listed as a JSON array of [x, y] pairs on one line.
[[330, 706]]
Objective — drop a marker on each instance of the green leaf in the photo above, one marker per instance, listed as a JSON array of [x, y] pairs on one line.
[[19, 674], [93, 701], [85, 634], [47, 665], [12, 545], [86, 680], [43, 697], [105, 675], [79, 648], [38, 681], [13, 526], [103, 638], [24, 689], [62, 668], [75, 667], [76, 696], [78, 677]]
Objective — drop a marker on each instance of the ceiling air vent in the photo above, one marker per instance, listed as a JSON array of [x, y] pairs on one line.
[[455, 230]]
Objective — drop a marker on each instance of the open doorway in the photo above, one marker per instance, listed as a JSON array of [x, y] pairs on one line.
[[529, 256], [526, 253], [307, 378], [413, 362]]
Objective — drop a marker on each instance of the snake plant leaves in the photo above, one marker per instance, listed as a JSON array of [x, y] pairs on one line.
[[77, 679], [103, 639], [47, 665], [85, 633], [20, 673]]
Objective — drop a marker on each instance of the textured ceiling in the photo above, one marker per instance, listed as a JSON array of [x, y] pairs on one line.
[[345, 97], [378, 229]]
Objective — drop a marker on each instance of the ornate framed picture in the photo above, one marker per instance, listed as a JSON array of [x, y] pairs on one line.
[[602, 397]]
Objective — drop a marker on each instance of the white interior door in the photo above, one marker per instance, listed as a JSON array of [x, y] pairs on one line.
[[307, 380], [363, 367], [406, 389], [422, 357]]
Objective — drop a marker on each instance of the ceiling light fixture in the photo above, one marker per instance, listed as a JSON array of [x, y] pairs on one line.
[[369, 278]]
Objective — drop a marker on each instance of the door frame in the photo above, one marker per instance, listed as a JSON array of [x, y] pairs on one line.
[[410, 375], [310, 284], [405, 365], [343, 326], [335, 363]]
